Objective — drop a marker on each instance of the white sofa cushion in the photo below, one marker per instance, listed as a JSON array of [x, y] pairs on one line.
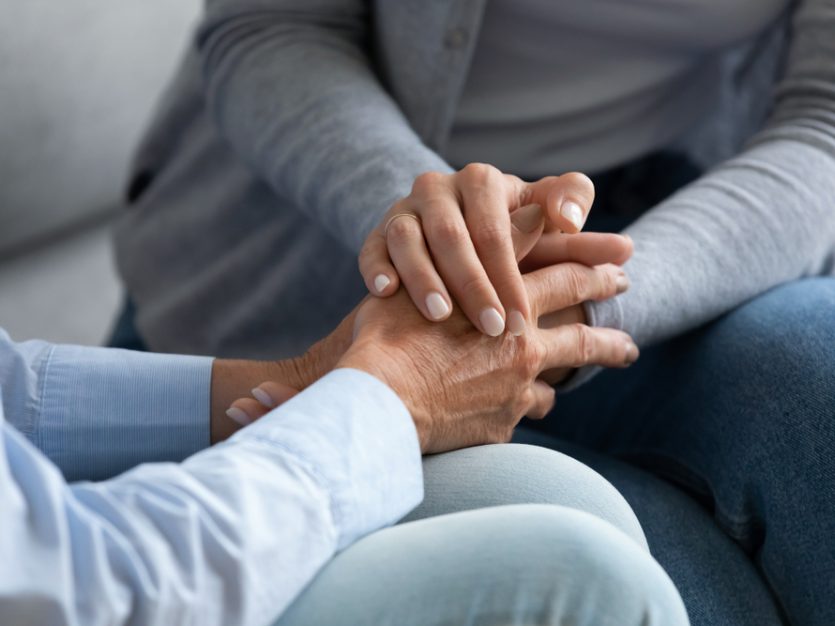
[[78, 80]]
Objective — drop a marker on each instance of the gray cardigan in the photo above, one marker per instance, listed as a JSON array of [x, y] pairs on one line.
[[292, 126]]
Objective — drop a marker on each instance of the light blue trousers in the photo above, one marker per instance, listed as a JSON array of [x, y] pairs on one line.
[[507, 535]]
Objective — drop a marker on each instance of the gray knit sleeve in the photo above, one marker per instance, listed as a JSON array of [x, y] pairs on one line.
[[291, 87], [762, 218]]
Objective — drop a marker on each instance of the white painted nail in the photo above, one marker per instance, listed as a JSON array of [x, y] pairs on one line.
[[236, 415], [263, 397], [516, 323], [437, 306], [381, 282], [573, 213], [491, 322]]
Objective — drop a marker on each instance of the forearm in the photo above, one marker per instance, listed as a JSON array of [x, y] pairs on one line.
[[96, 412], [292, 88], [763, 218], [230, 536]]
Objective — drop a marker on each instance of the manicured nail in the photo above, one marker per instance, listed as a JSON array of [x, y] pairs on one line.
[[622, 282], [516, 323], [237, 415], [527, 218], [381, 282], [264, 398], [491, 322], [573, 213], [437, 306], [631, 353]]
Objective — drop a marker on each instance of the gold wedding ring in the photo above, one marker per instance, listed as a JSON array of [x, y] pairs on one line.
[[394, 217]]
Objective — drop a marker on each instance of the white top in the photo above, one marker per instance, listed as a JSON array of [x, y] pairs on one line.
[[586, 85]]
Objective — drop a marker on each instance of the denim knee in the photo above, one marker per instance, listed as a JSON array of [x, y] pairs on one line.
[[792, 326], [496, 475], [778, 351]]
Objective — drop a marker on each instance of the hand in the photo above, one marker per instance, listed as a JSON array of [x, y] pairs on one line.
[[286, 377], [453, 238], [465, 389], [587, 248]]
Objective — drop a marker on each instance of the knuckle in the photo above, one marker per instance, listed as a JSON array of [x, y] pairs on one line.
[[527, 398], [490, 236], [447, 233], [535, 293], [427, 182], [606, 279], [479, 173], [584, 343], [531, 355], [473, 287], [402, 230], [576, 283]]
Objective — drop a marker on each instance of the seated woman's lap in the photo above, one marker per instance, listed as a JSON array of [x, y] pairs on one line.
[[485, 476], [470, 555], [741, 413]]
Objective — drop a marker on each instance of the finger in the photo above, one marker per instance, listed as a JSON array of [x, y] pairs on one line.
[[576, 345], [526, 226], [486, 213], [586, 248], [244, 411], [543, 400], [377, 271], [411, 258], [557, 287], [567, 199], [458, 263], [272, 394]]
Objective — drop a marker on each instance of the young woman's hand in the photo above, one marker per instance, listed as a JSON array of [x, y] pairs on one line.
[[452, 240]]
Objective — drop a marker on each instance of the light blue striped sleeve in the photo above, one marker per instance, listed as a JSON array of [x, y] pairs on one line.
[[96, 412], [230, 536]]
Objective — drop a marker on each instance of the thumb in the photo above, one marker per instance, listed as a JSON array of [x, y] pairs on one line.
[[527, 223]]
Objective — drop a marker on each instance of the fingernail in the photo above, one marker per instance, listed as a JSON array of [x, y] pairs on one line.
[[437, 306], [573, 213], [516, 323], [264, 398], [491, 322], [237, 415], [631, 353], [381, 282], [527, 218], [622, 282]]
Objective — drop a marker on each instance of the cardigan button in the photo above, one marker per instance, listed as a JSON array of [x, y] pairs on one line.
[[455, 38]]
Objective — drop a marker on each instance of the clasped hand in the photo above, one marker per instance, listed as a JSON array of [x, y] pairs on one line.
[[485, 238]]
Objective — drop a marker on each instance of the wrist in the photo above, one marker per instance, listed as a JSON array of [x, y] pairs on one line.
[[233, 379], [367, 357]]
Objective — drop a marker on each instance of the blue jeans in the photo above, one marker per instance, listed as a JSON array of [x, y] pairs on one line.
[[477, 552], [740, 415]]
